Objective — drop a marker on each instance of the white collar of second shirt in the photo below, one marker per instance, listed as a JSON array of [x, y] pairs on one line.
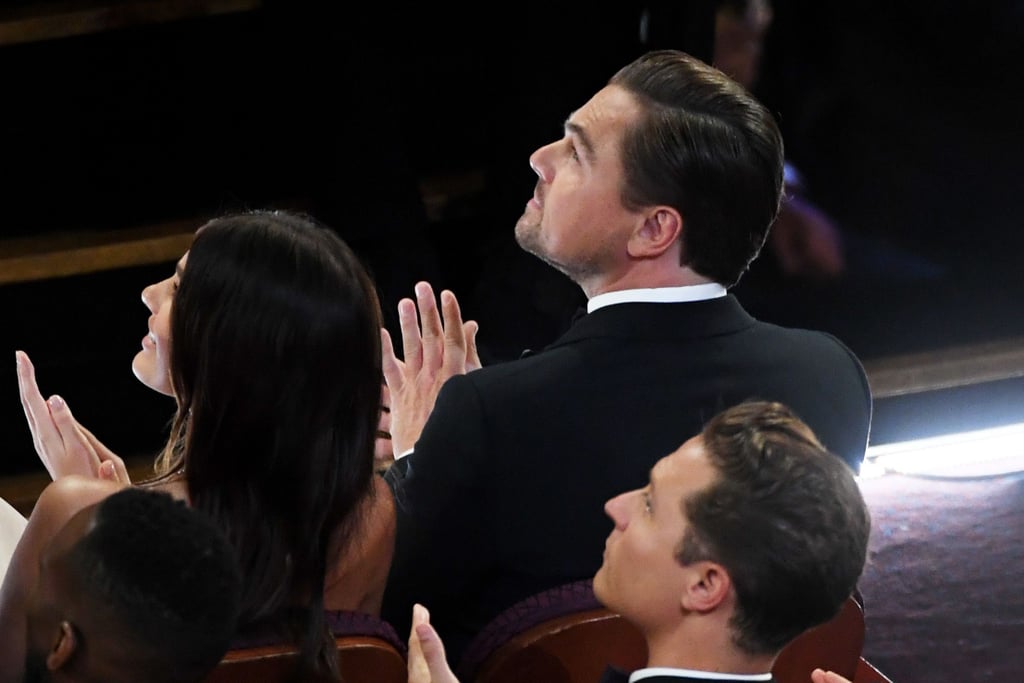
[[658, 295]]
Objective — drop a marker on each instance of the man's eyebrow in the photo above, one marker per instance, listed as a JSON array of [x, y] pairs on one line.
[[577, 130]]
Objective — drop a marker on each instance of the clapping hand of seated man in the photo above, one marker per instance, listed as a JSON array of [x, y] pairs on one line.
[[64, 445], [427, 663], [433, 351], [820, 676]]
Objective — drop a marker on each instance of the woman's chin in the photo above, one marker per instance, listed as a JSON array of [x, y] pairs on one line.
[[145, 371]]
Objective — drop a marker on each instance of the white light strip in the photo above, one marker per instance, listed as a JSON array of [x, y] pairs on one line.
[[985, 451]]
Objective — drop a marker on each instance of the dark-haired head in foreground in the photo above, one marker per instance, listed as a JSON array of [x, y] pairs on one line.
[[137, 587]]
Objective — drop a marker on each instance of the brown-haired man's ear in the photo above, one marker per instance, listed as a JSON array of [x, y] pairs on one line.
[[707, 586], [658, 233]]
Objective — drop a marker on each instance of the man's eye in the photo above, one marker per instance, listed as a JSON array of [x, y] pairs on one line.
[[648, 508], [574, 152]]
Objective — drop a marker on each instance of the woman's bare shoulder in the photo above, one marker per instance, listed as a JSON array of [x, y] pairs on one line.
[[61, 499], [57, 504]]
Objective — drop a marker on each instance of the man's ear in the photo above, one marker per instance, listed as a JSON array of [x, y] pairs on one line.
[[660, 230], [707, 587], [63, 647]]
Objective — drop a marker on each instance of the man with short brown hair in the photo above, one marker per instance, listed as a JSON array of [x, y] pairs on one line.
[[746, 536]]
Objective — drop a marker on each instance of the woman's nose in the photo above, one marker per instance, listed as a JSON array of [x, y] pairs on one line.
[[147, 297]]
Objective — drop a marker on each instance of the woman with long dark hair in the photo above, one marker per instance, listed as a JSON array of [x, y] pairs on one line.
[[267, 336]]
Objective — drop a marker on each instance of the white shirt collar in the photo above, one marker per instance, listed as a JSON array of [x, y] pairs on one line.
[[641, 674], [657, 295]]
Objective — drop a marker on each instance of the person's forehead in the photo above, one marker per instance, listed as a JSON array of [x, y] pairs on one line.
[[606, 115], [685, 470]]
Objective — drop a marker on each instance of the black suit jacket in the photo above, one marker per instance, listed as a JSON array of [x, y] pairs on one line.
[[504, 494]]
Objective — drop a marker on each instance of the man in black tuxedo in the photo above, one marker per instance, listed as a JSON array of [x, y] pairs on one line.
[[655, 201], [745, 537]]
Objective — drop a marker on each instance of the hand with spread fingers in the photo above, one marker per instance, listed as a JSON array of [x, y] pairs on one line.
[[427, 663], [433, 352], [63, 445]]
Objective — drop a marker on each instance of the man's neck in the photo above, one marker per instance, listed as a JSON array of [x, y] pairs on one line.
[[709, 650], [647, 278]]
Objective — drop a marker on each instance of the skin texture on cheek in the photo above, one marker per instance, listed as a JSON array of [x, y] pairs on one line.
[[581, 227], [640, 576], [151, 365]]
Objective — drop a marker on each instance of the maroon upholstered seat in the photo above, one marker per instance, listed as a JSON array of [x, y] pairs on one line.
[[348, 623], [835, 645], [561, 635], [369, 650], [564, 635]]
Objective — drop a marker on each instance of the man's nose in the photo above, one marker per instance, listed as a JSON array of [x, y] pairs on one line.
[[539, 163]]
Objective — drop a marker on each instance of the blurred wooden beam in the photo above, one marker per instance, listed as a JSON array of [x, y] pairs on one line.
[[32, 22], [956, 366], [76, 253]]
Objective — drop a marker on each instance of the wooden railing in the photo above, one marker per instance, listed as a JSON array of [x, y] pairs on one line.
[[956, 366], [68, 252], [35, 21], [62, 254]]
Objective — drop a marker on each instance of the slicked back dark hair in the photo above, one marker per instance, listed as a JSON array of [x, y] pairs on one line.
[[165, 578], [785, 518], [276, 368], [703, 145]]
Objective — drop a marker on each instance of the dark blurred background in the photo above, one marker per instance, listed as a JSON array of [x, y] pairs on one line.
[[408, 130]]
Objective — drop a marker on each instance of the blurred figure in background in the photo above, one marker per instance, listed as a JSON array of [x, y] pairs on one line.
[[805, 241]]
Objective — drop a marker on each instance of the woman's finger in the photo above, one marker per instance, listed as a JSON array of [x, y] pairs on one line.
[[98, 447], [46, 435], [31, 399], [115, 471], [79, 457]]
